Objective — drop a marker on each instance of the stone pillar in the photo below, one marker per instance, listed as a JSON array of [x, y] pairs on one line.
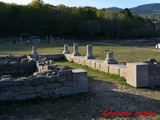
[[34, 50], [66, 51], [89, 52], [75, 50], [110, 58]]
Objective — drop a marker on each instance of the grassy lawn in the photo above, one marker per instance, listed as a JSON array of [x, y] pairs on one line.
[[122, 54], [106, 91]]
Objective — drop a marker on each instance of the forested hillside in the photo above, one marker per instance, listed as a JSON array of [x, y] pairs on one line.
[[38, 18]]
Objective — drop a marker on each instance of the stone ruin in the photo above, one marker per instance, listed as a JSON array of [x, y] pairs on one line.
[[138, 74], [31, 76], [41, 77]]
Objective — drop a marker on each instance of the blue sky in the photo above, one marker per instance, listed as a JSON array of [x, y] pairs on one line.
[[94, 3]]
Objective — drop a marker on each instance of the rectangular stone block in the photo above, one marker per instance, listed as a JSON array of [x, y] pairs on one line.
[[88, 63], [115, 68], [80, 81], [82, 60], [137, 74], [123, 71], [93, 64], [76, 59], [104, 67], [98, 64]]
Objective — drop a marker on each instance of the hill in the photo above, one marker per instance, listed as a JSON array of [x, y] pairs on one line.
[[151, 11]]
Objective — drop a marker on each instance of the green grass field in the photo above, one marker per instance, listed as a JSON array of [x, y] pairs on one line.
[[123, 54], [106, 91]]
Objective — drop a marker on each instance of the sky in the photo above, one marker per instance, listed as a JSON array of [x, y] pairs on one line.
[[93, 3]]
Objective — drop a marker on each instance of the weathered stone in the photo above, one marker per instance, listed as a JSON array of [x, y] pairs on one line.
[[52, 78], [64, 91], [46, 94], [26, 81], [110, 58], [80, 81], [64, 72], [52, 86], [5, 82], [6, 76], [75, 50], [26, 90], [35, 73], [61, 78], [15, 71], [137, 74], [66, 51], [34, 51], [68, 83], [20, 97], [14, 89], [18, 82], [39, 80], [39, 89], [6, 96], [89, 52], [30, 96]]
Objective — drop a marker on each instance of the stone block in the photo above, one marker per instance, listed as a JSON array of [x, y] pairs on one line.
[[88, 62], [98, 64], [82, 60], [115, 69], [80, 81], [39, 80], [4, 82], [62, 78], [68, 83], [39, 89], [26, 82], [64, 91], [31, 96], [137, 74], [18, 82], [20, 97], [52, 86], [94, 62], [76, 59], [26, 90], [64, 72], [52, 78], [104, 67], [6, 96], [123, 72]]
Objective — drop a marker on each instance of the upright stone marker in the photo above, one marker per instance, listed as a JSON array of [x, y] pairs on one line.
[[66, 51], [75, 50], [34, 50], [89, 52], [110, 58]]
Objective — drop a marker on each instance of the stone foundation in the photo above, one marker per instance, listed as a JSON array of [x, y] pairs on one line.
[[47, 80], [66, 82]]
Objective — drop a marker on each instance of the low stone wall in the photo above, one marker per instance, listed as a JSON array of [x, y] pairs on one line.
[[66, 82], [16, 66], [100, 65], [136, 74]]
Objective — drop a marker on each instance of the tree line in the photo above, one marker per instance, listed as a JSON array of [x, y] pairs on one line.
[[38, 18]]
